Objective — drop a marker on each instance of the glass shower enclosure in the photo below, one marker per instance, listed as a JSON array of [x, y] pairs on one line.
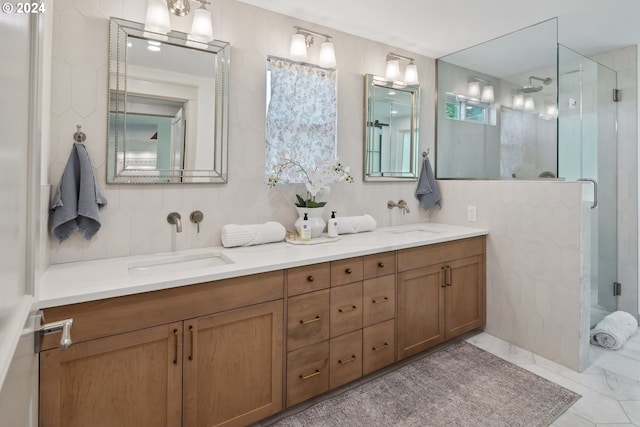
[[549, 114], [587, 151]]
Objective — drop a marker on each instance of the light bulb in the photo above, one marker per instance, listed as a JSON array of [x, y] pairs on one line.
[[201, 27], [487, 94], [327, 55], [393, 70], [473, 90], [518, 102], [157, 20], [298, 49], [411, 74], [529, 104]]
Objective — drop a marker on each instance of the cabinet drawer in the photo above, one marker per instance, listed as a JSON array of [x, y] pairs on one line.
[[307, 319], [346, 271], [378, 343], [307, 372], [308, 278], [345, 359], [377, 265], [379, 300], [424, 256], [346, 308]]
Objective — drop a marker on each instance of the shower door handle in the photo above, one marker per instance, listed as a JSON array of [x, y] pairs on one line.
[[595, 190]]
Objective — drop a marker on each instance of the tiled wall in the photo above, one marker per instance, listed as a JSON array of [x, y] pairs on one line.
[[134, 222], [536, 279]]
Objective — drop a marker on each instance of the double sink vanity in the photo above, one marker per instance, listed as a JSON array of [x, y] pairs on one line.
[[231, 336]]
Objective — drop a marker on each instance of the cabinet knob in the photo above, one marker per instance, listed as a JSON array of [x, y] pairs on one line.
[[347, 309], [310, 279], [348, 271], [381, 264], [315, 319], [306, 377]]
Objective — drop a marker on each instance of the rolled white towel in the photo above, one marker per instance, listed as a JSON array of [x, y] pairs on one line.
[[355, 224], [612, 331], [252, 234]]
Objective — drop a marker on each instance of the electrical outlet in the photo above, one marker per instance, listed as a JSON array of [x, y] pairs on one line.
[[472, 213]]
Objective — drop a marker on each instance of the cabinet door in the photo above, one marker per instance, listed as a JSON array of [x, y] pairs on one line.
[[132, 379], [465, 296], [420, 314], [233, 366]]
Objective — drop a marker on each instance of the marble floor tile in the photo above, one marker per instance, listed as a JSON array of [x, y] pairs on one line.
[[610, 387]]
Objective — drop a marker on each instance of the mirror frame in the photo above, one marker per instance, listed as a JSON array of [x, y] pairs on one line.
[[414, 90], [119, 31]]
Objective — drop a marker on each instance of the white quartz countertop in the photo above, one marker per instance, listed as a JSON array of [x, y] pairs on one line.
[[76, 282]]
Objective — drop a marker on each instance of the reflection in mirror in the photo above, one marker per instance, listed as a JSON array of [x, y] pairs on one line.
[[391, 130], [302, 116], [167, 107], [497, 108]]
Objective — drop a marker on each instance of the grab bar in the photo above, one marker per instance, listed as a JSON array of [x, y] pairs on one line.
[[595, 190]]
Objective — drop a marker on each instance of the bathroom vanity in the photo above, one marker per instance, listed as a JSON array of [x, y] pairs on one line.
[[237, 342]]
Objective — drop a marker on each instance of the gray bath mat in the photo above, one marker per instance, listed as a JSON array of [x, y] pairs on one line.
[[458, 385]]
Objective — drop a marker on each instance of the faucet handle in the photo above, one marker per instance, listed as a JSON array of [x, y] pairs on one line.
[[196, 217]]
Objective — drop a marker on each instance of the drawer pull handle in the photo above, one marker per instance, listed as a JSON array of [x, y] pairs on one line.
[[192, 339], [347, 309], [381, 348], [381, 264], [306, 377], [352, 359], [348, 271], [379, 300], [310, 279], [175, 345], [315, 319]]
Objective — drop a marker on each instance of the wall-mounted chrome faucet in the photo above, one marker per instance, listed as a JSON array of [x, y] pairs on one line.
[[401, 204], [174, 218]]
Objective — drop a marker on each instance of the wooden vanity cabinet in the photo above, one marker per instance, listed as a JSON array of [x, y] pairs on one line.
[[441, 293], [222, 367]]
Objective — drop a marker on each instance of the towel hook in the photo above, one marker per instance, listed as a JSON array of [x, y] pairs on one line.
[[425, 154], [79, 136]]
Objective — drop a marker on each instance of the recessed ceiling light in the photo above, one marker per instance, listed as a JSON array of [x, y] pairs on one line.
[[154, 48]]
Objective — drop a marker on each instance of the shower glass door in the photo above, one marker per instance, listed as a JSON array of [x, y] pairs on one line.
[[587, 150]]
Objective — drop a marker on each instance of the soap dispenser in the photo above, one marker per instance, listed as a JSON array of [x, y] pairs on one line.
[[332, 228], [305, 229]]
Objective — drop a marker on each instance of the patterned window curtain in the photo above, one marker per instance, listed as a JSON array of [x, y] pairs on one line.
[[301, 117]]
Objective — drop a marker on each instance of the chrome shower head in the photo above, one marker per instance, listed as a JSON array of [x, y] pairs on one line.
[[530, 88]]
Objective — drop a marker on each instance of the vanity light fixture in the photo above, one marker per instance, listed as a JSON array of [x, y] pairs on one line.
[[157, 20], [393, 69], [518, 102], [529, 104], [201, 28], [157, 23], [487, 94], [473, 90], [303, 39]]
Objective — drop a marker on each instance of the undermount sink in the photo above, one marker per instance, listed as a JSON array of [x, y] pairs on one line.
[[176, 263], [413, 229]]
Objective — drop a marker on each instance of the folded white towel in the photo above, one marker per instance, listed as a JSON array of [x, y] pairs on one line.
[[612, 331], [252, 234], [355, 224]]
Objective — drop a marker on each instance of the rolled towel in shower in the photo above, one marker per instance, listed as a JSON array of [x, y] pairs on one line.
[[355, 224], [612, 331], [252, 234]]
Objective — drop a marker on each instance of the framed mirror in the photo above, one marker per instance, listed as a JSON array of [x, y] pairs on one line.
[[167, 107], [391, 130]]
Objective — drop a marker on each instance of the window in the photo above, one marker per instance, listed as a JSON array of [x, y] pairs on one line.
[[460, 107]]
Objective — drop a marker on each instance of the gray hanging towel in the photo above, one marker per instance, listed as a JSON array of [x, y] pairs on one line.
[[77, 202], [427, 192]]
